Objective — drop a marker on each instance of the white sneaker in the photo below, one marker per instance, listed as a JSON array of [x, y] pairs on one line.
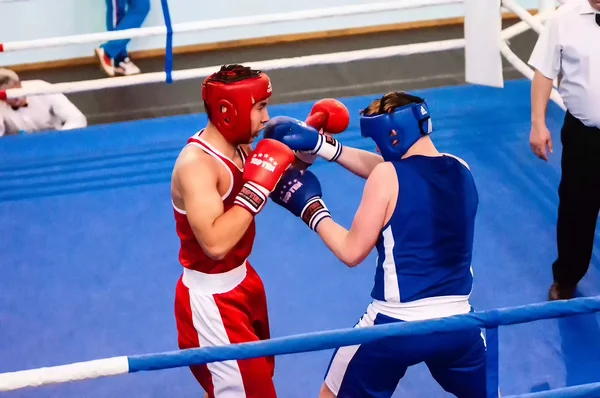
[[127, 68], [107, 64]]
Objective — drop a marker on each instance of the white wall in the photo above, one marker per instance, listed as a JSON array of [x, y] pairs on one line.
[[34, 19]]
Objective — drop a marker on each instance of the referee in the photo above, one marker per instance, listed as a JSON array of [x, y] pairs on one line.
[[569, 49]]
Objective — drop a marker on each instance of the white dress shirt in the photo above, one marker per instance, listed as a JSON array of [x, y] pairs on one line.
[[569, 49], [42, 113]]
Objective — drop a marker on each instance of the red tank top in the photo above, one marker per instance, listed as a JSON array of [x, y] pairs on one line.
[[191, 254]]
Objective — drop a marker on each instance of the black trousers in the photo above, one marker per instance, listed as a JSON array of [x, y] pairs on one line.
[[579, 201]]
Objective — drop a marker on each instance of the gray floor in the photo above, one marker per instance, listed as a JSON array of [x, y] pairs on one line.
[[290, 85]]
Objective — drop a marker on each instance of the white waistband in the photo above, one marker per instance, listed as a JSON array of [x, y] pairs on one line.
[[427, 308], [223, 282]]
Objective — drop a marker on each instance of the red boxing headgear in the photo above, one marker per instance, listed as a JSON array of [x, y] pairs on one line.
[[229, 95]]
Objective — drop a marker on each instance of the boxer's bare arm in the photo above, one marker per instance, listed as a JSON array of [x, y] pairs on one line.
[[359, 161], [216, 231], [376, 207]]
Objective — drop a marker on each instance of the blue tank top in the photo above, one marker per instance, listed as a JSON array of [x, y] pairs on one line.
[[426, 247]]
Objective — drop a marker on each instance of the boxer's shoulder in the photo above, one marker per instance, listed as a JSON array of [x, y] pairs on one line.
[[457, 158], [194, 162]]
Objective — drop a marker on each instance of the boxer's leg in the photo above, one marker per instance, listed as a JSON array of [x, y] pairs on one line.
[[370, 370], [259, 310], [459, 362], [188, 336], [221, 319]]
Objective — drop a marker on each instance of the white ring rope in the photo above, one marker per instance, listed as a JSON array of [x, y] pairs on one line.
[[64, 373], [527, 71], [527, 21], [525, 16], [228, 23], [522, 27], [319, 59]]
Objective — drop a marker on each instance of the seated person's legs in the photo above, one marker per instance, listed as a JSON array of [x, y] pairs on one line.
[[121, 15]]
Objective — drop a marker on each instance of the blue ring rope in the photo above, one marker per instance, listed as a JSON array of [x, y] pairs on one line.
[[321, 341], [169, 44], [346, 337]]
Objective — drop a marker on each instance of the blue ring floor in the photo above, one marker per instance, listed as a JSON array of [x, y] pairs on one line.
[[88, 254]]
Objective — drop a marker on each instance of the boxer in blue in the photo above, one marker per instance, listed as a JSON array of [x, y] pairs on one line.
[[418, 210]]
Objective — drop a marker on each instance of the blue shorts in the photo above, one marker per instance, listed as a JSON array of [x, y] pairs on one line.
[[456, 360]]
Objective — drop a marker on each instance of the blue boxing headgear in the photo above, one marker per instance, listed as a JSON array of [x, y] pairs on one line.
[[410, 122]]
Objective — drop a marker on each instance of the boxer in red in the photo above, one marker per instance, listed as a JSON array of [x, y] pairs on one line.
[[218, 187]]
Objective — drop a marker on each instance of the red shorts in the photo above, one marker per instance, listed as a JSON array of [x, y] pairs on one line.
[[221, 309]]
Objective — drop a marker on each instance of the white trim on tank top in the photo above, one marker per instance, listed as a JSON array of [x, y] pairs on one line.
[[215, 150]]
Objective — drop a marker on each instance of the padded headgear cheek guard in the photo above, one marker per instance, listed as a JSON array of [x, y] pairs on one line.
[[229, 96], [410, 122]]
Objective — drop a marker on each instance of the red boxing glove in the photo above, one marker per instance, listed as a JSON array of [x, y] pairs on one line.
[[262, 171], [330, 115]]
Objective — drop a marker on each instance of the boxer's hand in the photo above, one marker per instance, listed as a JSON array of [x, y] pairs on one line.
[[302, 138], [303, 161], [299, 191], [329, 115], [262, 171]]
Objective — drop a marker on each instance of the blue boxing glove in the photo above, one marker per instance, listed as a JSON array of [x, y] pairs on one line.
[[301, 138], [299, 191]]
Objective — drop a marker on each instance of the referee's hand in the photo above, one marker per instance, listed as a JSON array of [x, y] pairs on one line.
[[539, 139]]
